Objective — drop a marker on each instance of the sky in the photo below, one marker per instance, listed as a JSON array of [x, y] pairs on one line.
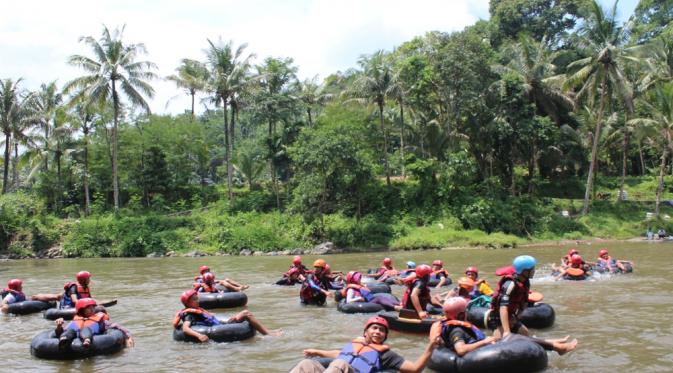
[[322, 36]]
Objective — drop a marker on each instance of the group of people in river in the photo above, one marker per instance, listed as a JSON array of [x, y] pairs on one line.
[[574, 267], [367, 353]]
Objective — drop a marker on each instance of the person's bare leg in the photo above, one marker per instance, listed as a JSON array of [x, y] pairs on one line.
[[247, 315]]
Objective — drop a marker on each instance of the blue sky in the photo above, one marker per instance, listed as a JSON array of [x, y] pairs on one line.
[[322, 36]]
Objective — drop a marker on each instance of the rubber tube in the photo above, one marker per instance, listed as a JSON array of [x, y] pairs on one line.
[[65, 313], [222, 300], [29, 306], [434, 281], [516, 354], [407, 325], [45, 345], [325, 362], [219, 333], [374, 288], [538, 316], [358, 307]]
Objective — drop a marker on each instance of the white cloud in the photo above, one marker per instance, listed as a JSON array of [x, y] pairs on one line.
[[322, 36]]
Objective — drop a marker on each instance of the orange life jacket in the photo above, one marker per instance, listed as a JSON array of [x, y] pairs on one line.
[[82, 292], [85, 322], [355, 287]]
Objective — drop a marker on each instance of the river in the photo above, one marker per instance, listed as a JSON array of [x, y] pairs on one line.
[[622, 322]]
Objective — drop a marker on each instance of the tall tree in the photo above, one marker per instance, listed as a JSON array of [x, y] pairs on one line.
[[14, 110], [375, 84], [600, 74], [113, 72], [650, 19], [312, 95], [192, 76], [229, 69]]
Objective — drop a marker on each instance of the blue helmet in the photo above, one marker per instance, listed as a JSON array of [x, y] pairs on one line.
[[523, 262], [411, 265]]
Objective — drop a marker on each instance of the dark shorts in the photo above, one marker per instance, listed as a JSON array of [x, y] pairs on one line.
[[493, 322]]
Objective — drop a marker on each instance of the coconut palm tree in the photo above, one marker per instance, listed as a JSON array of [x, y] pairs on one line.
[[659, 123], [228, 77], [376, 83], [113, 72], [600, 74], [533, 63], [15, 111], [312, 94], [191, 76]]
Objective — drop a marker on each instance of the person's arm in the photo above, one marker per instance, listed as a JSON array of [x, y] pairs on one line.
[[59, 326], [129, 338], [72, 294], [504, 321], [462, 348], [560, 275], [441, 282], [417, 303], [418, 365], [311, 352], [9, 298], [351, 297], [193, 333]]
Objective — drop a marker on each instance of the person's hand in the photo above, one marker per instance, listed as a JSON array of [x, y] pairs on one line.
[[330, 294], [203, 338], [506, 334], [130, 342], [59, 322], [491, 339], [422, 315], [309, 352]]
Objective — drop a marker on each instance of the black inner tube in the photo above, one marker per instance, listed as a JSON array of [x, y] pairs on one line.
[[29, 306], [219, 333], [222, 300], [45, 345]]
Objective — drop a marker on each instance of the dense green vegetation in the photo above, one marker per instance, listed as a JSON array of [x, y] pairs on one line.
[[478, 137]]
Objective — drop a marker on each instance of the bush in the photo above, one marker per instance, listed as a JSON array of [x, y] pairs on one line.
[[25, 225]]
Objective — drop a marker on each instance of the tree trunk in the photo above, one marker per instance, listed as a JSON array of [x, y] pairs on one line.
[[15, 167], [193, 94], [87, 198], [660, 187], [594, 150], [385, 144], [115, 130], [5, 178], [625, 147], [232, 125], [404, 173], [227, 155], [642, 159], [310, 120], [531, 170], [59, 183]]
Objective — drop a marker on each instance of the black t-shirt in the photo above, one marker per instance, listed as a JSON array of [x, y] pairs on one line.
[[71, 290], [456, 335], [196, 320], [391, 360], [423, 294]]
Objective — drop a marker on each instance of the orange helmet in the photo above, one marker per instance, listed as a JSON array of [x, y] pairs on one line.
[[319, 263], [437, 262], [466, 283], [204, 269], [296, 260], [387, 261], [454, 306], [208, 278], [184, 298], [423, 270], [84, 303]]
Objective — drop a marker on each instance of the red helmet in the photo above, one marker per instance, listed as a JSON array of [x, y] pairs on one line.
[[14, 284], [83, 275], [208, 277], [576, 259], [387, 261], [204, 269], [572, 252], [454, 306], [296, 260], [328, 268], [602, 253], [466, 283], [84, 303], [472, 269], [184, 298], [423, 270], [437, 262], [353, 277], [377, 320]]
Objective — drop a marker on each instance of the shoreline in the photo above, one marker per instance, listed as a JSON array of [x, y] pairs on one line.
[[328, 248]]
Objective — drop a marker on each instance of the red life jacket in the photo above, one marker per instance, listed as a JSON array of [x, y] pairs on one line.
[[177, 320], [423, 297], [82, 292], [86, 322], [518, 299], [440, 271]]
